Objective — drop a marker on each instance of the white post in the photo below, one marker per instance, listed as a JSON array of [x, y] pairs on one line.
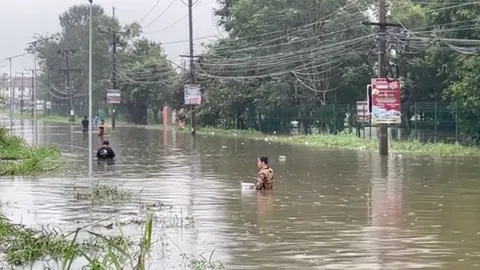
[[90, 120]]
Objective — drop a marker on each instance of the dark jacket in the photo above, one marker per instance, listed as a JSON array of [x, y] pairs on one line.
[[105, 152], [85, 125]]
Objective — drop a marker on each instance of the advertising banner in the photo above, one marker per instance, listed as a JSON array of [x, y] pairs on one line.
[[386, 102]]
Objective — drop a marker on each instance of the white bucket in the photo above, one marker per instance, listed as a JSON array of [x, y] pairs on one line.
[[247, 185]]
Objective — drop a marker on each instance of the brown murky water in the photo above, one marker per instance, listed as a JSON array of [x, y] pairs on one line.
[[331, 209]]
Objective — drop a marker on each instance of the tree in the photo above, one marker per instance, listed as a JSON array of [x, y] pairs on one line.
[[284, 61], [147, 78]]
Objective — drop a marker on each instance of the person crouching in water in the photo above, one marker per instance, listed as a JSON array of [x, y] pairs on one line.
[[265, 177], [105, 152]]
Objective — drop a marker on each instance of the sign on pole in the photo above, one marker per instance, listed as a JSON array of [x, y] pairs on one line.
[[363, 114], [386, 103], [192, 94], [114, 96]]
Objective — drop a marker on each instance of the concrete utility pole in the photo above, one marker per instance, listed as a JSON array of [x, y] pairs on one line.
[[68, 84], [382, 70], [193, 120], [382, 47], [33, 89], [191, 56], [115, 43], [12, 91], [22, 102]]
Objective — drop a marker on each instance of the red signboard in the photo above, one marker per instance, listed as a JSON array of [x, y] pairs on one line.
[[386, 102]]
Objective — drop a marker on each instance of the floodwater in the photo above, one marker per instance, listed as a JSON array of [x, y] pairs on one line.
[[331, 209]]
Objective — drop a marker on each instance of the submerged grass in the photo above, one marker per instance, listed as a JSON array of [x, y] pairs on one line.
[[18, 158], [350, 141], [21, 246], [100, 193]]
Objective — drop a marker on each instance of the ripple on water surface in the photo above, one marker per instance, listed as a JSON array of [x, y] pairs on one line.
[[331, 209]]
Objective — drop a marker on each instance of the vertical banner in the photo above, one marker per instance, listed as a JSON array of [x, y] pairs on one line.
[[386, 101], [363, 116]]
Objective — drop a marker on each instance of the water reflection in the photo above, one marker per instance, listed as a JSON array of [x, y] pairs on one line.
[[331, 209]]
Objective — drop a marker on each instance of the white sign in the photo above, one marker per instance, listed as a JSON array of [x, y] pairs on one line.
[[48, 105], [192, 94], [114, 96]]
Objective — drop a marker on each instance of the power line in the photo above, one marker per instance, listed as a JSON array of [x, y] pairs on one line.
[[160, 15], [150, 11]]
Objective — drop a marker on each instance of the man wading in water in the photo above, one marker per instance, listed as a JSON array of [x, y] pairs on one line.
[[85, 124], [102, 129], [265, 176]]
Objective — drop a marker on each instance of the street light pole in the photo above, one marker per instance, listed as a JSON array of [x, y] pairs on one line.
[[90, 120], [12, 92]]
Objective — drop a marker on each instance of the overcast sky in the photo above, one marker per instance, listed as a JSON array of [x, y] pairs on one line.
[[20, 19]]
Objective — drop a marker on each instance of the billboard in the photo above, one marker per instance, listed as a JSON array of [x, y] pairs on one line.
[[114, 96], [386, 102], [192, 94]]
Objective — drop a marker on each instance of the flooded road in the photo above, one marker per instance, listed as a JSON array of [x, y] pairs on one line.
[[331, 209]]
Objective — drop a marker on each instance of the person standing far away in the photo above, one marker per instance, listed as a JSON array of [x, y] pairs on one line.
[[265, 177], [102, 129], [105, 152], [85, 124], [96, 121]]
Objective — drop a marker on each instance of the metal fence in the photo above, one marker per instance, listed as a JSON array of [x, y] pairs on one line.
[[424, 121]]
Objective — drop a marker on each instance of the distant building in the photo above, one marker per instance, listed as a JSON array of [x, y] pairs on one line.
[[17, 88]]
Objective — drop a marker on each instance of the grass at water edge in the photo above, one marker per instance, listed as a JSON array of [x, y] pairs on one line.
[[19, 158], [350, 141]]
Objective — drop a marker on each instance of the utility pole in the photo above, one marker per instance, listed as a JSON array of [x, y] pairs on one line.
[[114, 69], [33, 88], [115, 42], [68, 84], [22, 102], [382, 47], [382, 71], [191, 56], [12, 91], [193, 120]]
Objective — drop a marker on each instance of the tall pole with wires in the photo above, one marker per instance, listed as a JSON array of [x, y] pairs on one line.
[[382, 19], [193, 120], [382, 67], [22, 91], [12, 91]]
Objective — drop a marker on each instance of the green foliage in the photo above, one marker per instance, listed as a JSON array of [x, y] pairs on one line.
[[18, 158], [98, 194], [142, 71], [288, 58]]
